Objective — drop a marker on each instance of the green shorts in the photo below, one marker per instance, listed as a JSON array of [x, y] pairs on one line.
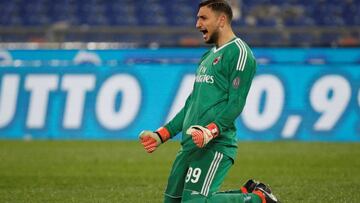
[[197, 172]]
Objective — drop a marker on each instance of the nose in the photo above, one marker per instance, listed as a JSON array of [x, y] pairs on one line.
[[198, 24]]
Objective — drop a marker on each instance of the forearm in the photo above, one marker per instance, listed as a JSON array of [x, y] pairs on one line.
[[228, 115], [175, 125]]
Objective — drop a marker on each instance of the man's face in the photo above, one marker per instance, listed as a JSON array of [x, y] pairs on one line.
[[208, 23]]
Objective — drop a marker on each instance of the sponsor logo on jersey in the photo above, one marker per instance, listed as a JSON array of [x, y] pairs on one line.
[[202, 77], [205, 79], [202, 69]]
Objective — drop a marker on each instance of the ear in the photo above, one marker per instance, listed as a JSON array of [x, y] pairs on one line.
[[222, 20]]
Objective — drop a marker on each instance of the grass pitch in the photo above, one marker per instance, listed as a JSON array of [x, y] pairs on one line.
[[121, 171]]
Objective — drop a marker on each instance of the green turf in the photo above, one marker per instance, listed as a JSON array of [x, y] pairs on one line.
[[121, 171]]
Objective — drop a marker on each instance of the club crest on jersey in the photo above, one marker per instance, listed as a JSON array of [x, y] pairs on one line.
[[216, 60]]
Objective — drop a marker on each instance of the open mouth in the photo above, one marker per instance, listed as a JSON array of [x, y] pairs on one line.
[[204, 31]]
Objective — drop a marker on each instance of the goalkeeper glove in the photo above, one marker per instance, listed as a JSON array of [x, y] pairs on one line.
[[202, 135], [151, 140]]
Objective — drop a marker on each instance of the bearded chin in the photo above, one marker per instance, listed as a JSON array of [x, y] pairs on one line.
[[213, 38]]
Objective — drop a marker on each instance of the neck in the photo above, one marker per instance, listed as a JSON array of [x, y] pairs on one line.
[[225, 36]]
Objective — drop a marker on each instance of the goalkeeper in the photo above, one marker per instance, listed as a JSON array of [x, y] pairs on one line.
[[209, 144]]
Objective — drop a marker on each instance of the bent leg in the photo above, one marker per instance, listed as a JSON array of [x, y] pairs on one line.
[[168, 199], [206, 172], [175, 186], [234, 196]]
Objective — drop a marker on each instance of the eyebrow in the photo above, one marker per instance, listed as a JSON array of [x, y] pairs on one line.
[[201, 16]]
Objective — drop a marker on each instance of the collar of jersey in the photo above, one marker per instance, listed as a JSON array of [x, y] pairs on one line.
[[223, 46]]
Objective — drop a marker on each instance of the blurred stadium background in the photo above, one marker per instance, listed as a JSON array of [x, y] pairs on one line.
[[104, 70], [171, 23]]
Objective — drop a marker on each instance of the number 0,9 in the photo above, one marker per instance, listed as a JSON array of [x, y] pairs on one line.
[[330, 96]]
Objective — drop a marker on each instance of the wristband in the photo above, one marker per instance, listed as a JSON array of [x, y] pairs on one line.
[[213, 129], [163, 133]]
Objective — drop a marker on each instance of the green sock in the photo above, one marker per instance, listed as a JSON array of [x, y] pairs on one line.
[[231, 196], [234, 197]]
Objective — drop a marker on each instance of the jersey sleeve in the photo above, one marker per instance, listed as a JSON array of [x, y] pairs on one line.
[[175, 125], [241, 70]]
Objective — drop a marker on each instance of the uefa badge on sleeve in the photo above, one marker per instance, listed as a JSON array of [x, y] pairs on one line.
[[236, 82]]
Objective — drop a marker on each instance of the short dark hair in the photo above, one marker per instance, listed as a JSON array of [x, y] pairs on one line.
[[219, 6]]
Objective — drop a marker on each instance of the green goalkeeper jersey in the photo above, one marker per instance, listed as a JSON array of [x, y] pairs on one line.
[[221, 86]]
